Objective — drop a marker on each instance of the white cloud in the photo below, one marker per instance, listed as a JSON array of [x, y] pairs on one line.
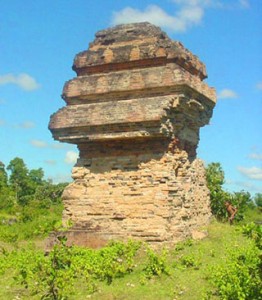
[[227, 94], [39, 143], [61, 178], [50, 162], [153, 14], [71, 157], [244, 3], [58, 146], [252, 173], [189, 13], [244, 185], [257, 156], [192, 2], [23, 80], [259, 85], [26, 125], [42, 144]]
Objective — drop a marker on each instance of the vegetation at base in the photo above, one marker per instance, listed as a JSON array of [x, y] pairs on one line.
[[226, 265]]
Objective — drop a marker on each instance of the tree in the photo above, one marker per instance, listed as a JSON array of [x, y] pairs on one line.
[[215, 179], [49, 193], [7, 196], [18, 179], [243, 200], [258, 200], [36, 176], [35, 179], [3, 176]]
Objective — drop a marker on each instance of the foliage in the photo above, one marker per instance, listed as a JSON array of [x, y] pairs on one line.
[[239, 278], [28, 185], [19, 179], [29, 222], [217, 267], [55, 276], [241, 200], [253, 231], [185, 244], [122, 270], [156, 264], [47, 193], [3, 176], [215, 179], [258, 199], [29, 205], [7, 199], [190, 261]]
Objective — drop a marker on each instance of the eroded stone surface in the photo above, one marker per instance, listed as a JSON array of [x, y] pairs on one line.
[[134, 111]]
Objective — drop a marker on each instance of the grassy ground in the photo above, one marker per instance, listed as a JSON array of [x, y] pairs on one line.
[[189, 263], [185, 282]]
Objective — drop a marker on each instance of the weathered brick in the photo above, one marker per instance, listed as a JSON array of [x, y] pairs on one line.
[[134, 111]]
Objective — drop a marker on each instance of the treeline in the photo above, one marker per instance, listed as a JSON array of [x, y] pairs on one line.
[[22, 186], [30, 205], [243, 200]]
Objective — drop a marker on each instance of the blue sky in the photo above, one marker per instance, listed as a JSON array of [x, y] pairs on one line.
[[38, 42]]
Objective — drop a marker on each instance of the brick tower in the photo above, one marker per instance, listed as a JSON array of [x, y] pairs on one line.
[[134, 111]]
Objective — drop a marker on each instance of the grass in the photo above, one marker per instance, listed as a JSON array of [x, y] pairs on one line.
[[185, 282], [40, 223], [190, 265]]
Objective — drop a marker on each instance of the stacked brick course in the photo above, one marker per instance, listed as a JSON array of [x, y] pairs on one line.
[[135, 110]]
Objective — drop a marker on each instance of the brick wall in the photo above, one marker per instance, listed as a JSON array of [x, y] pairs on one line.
[[134, 111]]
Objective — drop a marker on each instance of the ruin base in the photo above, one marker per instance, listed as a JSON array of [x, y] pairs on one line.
[[160, 199]]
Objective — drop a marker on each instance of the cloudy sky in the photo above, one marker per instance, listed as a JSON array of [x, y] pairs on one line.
[[39, 39]]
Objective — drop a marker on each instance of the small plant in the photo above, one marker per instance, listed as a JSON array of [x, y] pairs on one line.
[[56, 277], [156, 264], [190, 261], [182, 245]]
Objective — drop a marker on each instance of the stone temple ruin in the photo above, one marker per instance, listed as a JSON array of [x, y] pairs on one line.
[[134, 111]]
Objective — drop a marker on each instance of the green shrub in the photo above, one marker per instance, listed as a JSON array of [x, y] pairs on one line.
[[55, 276], [253, 231], [190, 261], [30, 222], [239, 277], [156, 264], [182, 245], [215, 179]]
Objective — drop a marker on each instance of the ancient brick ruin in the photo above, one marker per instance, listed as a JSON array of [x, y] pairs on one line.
[[134, 111]]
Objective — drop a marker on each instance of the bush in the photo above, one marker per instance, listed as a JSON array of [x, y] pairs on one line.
[[239, 278], [253, 231], [56, 275], [215, 179], [258, 200], [29, 222], [156, 264], [190, 261], [241, 200]]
